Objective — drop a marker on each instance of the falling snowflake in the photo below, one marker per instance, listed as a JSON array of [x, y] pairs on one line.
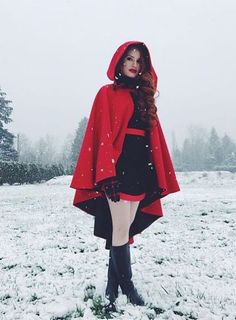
[[101, 169], [89, 149], [102, 143], [113, 160]]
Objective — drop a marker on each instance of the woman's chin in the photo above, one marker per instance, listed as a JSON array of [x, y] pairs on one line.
[[130, 75]]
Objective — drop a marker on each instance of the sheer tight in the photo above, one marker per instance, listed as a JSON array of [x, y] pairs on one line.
[[123, 214]]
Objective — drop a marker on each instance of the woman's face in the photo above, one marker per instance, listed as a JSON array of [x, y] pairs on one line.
[[132, 64]]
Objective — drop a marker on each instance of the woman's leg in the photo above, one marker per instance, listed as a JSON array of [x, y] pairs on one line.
[[120, 214], [133, 210]]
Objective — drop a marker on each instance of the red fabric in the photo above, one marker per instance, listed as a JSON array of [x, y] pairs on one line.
[[139, 132], [125, 196], [119, 52], [103, 142]]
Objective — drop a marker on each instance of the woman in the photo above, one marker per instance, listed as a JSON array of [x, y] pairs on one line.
[[124, 166]]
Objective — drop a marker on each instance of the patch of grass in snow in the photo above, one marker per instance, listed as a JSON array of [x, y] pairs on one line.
[[151, 316], [89, 292], [98, 306], [77, 313], [33, 297], [159, 261], [67, 269], [98, 309], [5, 297], [36, 270], [187, 317], [157, 311], [10, 266]]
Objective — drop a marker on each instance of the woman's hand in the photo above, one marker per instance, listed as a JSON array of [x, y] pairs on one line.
[[111, 187]]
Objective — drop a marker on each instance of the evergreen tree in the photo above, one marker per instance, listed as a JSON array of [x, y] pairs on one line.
[[79, 135], [229, 151], [187, 155], [198, 137], [7, 151], [25, 149], [176, 154], [215, 152], [45, 150], [65, 154], [194, 149]]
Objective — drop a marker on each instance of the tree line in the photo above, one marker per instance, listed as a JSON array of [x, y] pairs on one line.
[[201, 150]]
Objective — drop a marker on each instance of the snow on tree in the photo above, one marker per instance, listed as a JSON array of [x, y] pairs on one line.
[[229, 150], [7, 151], [79, 135], [214, 148], [65, 154], [25, 149], [46, 151]]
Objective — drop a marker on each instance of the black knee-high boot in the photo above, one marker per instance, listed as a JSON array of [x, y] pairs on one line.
[[112, 283], [121, 261]]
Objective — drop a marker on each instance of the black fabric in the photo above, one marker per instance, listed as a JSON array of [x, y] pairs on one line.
[[112, 283], [134, 168], [122, 264], [139, 177], [111, 187], [128, 82], [103, 222]]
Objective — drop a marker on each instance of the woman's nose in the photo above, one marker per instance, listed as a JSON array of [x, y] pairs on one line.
[[134, 63]]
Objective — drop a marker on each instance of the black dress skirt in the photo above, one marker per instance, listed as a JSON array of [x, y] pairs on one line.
[[134, 168]]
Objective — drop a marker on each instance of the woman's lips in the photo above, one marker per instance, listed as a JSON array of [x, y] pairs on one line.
[[133, 70]]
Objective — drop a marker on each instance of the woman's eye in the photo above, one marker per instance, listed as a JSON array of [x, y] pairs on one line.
[[131, 59]]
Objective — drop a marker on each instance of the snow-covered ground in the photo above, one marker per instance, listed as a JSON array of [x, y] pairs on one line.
[[184, 265]]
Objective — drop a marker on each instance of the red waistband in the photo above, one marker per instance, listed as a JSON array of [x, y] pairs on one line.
[[139, 132]]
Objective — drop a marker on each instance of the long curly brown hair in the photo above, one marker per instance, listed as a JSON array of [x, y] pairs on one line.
[[143, 86]]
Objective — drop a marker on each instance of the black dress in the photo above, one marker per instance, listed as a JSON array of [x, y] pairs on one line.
[[134, 168]]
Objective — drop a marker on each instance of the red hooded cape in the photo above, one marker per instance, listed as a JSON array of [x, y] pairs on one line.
[[100, 150]]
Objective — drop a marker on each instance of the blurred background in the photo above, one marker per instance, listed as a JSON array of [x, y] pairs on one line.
[[54, 57]]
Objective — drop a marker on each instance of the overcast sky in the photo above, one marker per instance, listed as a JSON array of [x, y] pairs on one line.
[[54, 56]]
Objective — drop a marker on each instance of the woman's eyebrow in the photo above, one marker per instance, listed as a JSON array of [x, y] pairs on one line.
[[129, 55]]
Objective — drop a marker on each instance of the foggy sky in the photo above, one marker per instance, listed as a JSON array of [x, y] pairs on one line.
[[54, 56]]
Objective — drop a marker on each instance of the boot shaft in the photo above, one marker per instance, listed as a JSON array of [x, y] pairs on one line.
[[122, 266]]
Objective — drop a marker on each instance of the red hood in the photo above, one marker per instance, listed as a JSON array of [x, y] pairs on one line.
[[118, 54]]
